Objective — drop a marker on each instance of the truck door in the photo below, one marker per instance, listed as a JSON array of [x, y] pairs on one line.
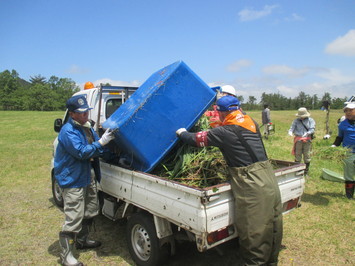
[[112, 97], [110, 102]]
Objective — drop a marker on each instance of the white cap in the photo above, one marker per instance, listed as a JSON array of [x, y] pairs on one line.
[[229, 89], [350, 106]]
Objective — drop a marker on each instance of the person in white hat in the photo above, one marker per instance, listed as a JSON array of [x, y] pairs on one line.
[[228, 90], [302, 128], [346, 135], [350, 100], [225, 90]]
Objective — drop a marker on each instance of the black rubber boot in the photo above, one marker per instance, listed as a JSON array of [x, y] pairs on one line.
[[66, 241], [82, 241], [266, 135], [307, 169], [349, 189]]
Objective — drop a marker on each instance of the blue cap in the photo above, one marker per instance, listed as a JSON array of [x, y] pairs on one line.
[[78, 104], [227, 103]]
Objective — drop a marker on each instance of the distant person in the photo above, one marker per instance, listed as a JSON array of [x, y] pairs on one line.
[[75, 165], [303, 128], [266, 120], [346, 135], [257, 200]]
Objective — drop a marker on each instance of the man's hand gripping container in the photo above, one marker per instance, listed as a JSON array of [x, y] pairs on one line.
[[172, 98]]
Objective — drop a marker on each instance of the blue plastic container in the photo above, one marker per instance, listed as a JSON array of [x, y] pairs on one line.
[[172, 98]]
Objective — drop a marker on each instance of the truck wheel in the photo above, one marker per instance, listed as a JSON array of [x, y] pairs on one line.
[[143, 243], [57, 193]]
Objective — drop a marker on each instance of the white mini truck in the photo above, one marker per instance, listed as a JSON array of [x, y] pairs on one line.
[[160, 211]]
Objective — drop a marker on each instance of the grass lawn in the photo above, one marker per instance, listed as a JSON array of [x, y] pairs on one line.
[[318, 233]]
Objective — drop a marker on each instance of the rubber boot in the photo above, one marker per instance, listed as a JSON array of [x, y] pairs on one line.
[[82, 241], [349, 189], [307, 169], [266, 135], [66, 241]]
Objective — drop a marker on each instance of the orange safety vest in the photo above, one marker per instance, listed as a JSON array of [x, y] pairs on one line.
[[238, 118]]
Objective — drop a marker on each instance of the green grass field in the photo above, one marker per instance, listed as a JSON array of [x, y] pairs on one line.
[[318, 233]]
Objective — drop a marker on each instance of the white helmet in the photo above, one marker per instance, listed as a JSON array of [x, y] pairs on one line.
[[229, 89]]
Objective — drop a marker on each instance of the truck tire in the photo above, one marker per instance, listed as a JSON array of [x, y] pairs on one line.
[[142, 240], [57, 193]]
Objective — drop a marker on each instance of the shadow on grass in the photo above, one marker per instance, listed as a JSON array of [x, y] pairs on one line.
[[226, 254], [112, 236], [51, 200], [320, 198], [114, 244], [54, 250]]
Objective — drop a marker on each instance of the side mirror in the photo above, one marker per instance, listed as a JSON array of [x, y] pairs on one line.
[[58, 123]]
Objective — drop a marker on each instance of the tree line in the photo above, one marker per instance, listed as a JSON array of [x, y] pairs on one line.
[[279, 102], [42, 94], [37, 94]]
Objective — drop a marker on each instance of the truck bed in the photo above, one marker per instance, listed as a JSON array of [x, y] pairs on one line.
[[198, 210]]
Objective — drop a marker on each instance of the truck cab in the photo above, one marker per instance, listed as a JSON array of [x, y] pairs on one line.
[[104, 98]]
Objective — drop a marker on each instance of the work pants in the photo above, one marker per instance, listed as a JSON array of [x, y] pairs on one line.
[[303, 148], [258, 213], [79, 203]]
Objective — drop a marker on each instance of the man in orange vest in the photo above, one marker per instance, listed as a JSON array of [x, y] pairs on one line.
[[257, 205]]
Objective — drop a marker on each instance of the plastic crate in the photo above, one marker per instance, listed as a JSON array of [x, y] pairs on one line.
[[172, 98]]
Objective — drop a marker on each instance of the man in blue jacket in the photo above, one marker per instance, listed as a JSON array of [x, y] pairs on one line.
[[346, 135], [75, 167]]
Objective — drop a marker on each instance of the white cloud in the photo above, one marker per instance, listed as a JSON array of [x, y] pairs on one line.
[[75, 69], [287, 91], [340, 90], [334, 76], [251, 14], [343, 45], [295, 17], [285, 70], [238, 65]]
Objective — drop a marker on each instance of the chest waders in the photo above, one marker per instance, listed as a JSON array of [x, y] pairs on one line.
[[349, 175], [258, 210]]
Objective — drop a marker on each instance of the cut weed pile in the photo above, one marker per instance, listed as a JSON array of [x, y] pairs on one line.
[[194, 166], [330, 153]]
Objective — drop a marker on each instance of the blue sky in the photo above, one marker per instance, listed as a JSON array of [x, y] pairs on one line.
[[257, 46]]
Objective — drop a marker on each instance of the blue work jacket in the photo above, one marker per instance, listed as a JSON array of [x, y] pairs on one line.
[[347, 132], [72, 160]]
